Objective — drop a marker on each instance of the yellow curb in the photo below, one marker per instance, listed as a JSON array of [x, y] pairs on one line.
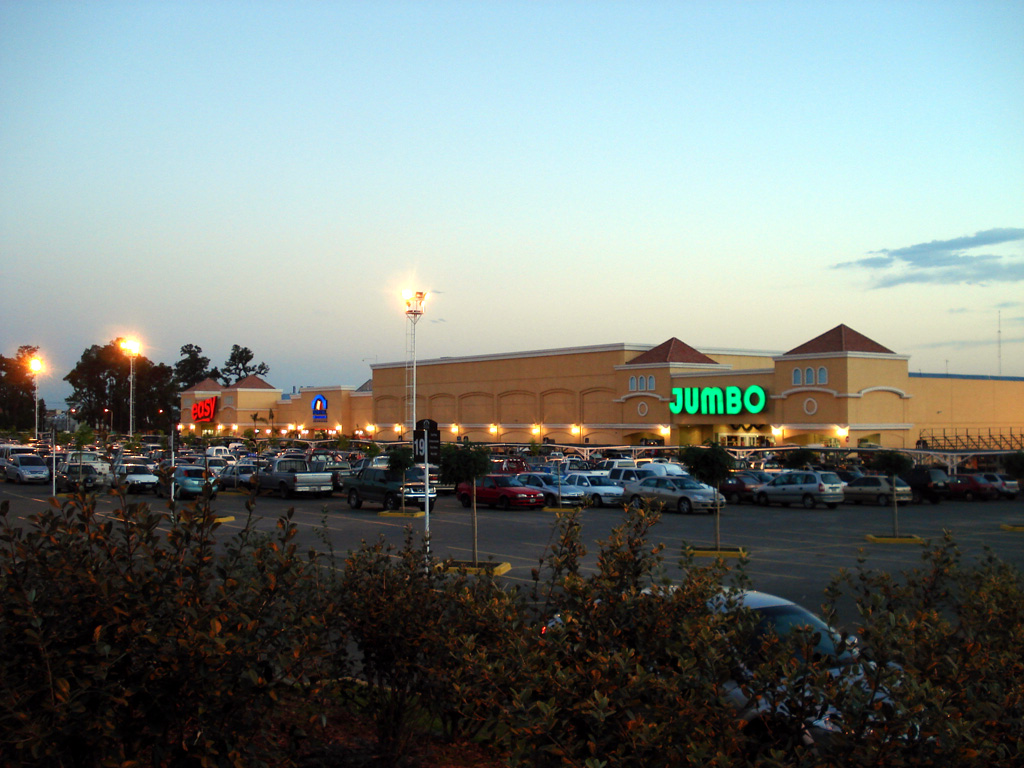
[[894, 539], [1012, 527], [401, 514], [499, 569], [227, 519], [723, 552]]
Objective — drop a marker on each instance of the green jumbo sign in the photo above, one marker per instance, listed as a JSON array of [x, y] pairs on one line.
[[716, 400]]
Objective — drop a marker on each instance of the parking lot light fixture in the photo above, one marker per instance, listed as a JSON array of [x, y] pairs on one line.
[[36, 367], [131, 347]]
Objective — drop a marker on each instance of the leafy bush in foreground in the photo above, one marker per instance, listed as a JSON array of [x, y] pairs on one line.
[[131, 637]]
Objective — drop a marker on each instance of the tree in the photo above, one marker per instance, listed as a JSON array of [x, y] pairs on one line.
[[464, 464], [711, 465], [102, 380], [399, 462], [892, 463], [797, 459], [17, 389], [1015, 464], [192, 368], [237, 366]]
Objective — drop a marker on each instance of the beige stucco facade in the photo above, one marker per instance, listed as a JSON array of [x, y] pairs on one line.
[[839, 389]]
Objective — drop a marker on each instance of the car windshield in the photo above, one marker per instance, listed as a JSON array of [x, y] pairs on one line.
[[783, 620], [686, 483], [30, 461]]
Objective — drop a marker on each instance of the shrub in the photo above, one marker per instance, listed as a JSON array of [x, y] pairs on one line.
[[131, 637]]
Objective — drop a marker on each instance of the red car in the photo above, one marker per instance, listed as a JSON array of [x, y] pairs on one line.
[[970, 487], [502, 491]]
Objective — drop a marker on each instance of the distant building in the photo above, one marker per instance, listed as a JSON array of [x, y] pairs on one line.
[[838, 389]]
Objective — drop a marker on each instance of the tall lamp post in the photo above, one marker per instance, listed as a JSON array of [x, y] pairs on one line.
[[414, 301], [35, 365], [131, 348]]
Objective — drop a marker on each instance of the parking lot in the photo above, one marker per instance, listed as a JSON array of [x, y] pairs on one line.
[[793, 552]]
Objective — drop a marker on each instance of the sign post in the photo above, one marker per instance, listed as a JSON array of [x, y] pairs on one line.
[[426, 449]]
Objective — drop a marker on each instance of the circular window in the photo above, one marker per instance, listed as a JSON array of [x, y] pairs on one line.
[[641, 409], [810, 406]]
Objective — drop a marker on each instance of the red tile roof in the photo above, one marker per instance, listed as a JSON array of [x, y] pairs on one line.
[[206, 385], [840, 339], [251, 381], [672, 351]]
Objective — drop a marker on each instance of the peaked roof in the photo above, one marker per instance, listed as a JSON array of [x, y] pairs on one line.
[[840, 339], [672, 351], [252, 381], [206, 385]]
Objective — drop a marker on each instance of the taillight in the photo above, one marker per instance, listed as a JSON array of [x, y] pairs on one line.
[[821, 487]]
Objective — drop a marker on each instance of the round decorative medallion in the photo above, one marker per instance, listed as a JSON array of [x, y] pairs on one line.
[[641, 408], [810, 406]]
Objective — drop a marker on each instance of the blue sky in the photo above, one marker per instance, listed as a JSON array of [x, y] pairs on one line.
[[738, 175]]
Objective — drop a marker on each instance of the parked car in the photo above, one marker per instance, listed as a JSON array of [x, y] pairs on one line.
[[502, 491], [78, 478], [876, 489], [802, 487], [927, 483], [189, 481], [971, 487], [556, 491], [598, 488], [682, 494], [27, 468], [744, 485], [134, 478], [1007, 486], [237, 475]]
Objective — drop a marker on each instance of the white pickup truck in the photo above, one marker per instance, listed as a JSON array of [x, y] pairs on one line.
[[289, 476]]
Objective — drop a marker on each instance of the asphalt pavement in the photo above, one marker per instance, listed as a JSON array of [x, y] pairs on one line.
[[792, 551]]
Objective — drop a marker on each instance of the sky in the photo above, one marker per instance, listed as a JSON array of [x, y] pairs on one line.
[[739, 175]]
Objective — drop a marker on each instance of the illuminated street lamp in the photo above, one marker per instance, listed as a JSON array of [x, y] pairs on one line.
[[131, 348], [35, 365], [414, 301]]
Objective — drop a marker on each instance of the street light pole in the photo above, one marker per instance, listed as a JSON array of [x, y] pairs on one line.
[[35, 365], [131, 348], [414, 301]]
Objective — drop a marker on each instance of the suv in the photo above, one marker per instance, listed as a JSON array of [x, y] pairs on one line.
[[930, 484], [806, 487]]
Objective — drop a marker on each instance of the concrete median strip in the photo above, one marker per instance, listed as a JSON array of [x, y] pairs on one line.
[[1017, 528], [894, 539], [720, 552], [388, 513]]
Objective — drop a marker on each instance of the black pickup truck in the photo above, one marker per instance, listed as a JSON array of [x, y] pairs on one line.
[[384, 487]]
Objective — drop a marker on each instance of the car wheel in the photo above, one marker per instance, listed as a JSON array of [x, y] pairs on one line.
[[735, 498], [596, 500], [915, 497], [282, 489], [466, 501], [391, 502], [969, 496], [883, 500], [808, 501], [685, 507], [503, 503], [635, 502], [550, 500], [762, 499], [354, 501]]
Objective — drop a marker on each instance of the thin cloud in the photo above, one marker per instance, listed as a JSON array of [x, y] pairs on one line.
[[946, 261]]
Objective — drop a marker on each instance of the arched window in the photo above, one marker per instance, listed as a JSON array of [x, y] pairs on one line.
[[822, 376], [809, 376], [796, 377], [643, 383], [650, 382], [632, 383]]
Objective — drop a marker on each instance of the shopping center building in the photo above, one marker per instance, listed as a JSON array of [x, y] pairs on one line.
[[839, 389]]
